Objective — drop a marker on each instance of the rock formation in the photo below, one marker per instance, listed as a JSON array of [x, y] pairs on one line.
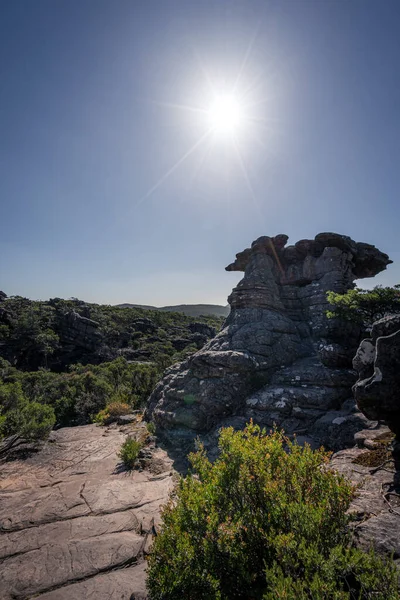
[[75, 330], [73, 523], [377, 362], [278, 358]]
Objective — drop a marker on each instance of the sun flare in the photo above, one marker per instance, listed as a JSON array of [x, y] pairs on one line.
[[225, 114]]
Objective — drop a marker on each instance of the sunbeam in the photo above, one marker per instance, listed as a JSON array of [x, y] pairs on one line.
[[247, 178], [174, 167], [244, 61]]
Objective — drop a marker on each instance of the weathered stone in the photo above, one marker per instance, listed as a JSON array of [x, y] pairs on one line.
[[385, 326], [124, 584], [203, 329], [126, 419], [377, 361], [337, 428], [71, 513], [376, 506], [79, 331], [144, 325], [277, 323]]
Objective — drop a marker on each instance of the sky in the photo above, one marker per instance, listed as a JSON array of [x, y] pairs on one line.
[[117, 186]]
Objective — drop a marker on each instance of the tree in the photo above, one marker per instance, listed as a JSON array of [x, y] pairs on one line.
[[47, 342], [266, 520], [365, 306]]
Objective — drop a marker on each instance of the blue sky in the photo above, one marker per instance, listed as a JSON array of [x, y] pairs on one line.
[[90, 127]]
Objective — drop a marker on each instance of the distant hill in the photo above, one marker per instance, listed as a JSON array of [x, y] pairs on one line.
[[191, 310]]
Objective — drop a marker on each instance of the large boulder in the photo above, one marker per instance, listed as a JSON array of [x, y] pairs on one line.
[[277, 335], [377, 362], [78, 331]]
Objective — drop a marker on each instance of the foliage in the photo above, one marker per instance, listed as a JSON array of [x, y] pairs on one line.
[[111, 412], [129, 452], [52, 370], [21, 418], [265, 522], [151, 427], [84, 391], [365, 306], [33, 332]]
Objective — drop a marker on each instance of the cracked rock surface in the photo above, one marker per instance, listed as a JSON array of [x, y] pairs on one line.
[[376, 506], [73, 523]]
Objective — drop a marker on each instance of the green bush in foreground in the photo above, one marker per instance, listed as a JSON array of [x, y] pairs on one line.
[[263, 523], [129, 452]]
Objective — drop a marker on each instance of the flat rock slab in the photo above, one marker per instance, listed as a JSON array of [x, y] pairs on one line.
[[376, 505], [74, 523]]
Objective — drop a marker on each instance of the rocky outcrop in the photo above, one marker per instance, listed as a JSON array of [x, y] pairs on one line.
[[376, 506], [278, 358], [76, 330], [74, 524], [377, 362]]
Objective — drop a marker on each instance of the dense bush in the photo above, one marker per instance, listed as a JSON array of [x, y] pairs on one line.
[[129, 452], [80, 394], [262, 522], [20, 418], [365, 306]]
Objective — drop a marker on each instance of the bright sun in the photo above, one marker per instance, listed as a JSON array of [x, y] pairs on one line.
[[225, 114]]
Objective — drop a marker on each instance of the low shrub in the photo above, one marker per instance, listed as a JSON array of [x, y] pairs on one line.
[[129, 452], [111, 412], [25, 420], [267, 520], [151, 427]]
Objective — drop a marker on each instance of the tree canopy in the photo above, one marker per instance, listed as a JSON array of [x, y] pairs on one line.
[[365, 306]]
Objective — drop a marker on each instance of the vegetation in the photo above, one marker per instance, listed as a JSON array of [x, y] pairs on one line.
[[267, 520], [111, 412], [32, 333], [52, 374], [151, 428], [20, 419], [365, 306], [129, 452], [77, 396]]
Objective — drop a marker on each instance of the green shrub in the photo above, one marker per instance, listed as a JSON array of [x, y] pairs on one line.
[[151, 428], [129, 452], [262, 522], [111, 412], [365, 306], [23, 419]]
